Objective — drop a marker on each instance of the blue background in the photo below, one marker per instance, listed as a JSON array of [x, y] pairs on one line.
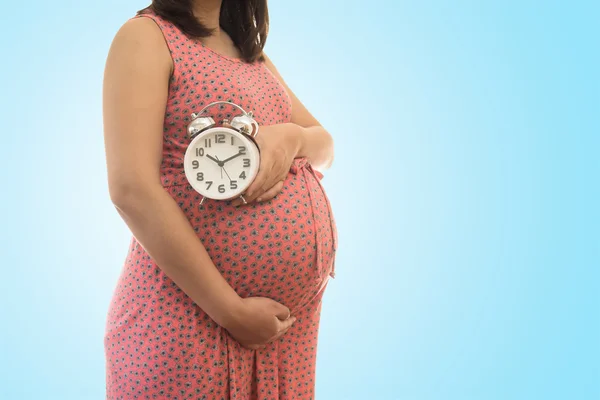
[[465, 187]]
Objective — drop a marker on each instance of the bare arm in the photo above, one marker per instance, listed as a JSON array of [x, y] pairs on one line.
[[135, 95], [135, 92], [315, 141]]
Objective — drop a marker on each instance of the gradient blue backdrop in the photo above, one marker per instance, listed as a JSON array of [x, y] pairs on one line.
[[465, 186]]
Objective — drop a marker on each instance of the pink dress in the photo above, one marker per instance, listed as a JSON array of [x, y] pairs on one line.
[[158, 343]]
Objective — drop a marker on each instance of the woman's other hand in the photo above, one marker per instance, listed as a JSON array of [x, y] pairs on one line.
[[279, 145], [259, 321]]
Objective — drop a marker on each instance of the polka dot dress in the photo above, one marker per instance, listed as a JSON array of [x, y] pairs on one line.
[[158, 343]]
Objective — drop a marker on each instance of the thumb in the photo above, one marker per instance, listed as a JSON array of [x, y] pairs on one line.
[[281, 311], [285, 325]]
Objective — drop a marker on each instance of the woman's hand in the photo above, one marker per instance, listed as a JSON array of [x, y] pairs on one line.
[[279, 145], [259, 321]]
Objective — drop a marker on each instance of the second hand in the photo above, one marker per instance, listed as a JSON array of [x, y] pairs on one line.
[[223, 169]]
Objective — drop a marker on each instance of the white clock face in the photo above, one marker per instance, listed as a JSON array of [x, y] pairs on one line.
[[220, 163]]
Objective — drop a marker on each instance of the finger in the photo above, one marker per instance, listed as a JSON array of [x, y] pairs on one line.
[[254, 186], [258, 183], [285, 325], [260, 189], [279, 335], [284, 328], [281, 312], [271, 179], [269, 194], [273, 176], [268, 189]]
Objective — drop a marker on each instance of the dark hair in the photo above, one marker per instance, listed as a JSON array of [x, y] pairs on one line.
[[245, 21]]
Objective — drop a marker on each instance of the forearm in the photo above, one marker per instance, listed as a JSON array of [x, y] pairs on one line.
[[314, 143], [162, 229]]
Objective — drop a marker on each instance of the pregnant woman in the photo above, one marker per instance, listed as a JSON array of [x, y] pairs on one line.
[[219, 300]]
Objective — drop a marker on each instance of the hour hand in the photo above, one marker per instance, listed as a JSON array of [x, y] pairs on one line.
[[219, 163]]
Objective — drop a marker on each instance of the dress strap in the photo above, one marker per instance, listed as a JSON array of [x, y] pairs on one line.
[[176, 40]]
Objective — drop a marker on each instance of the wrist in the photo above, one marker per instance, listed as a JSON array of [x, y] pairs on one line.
[[296, 138], [230, 311]]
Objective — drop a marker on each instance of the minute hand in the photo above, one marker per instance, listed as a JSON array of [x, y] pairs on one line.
[[232, 157]]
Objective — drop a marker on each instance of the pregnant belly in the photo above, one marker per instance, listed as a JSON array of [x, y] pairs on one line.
[[283, 248]]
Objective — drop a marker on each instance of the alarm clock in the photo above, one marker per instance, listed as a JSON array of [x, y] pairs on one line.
[[222, 158]]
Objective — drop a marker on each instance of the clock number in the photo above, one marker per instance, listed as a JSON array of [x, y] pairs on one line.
[[221, 188], [246, 162], [200, 176], [208, 183], [243, 175], [232, 137], [195, 164], [233, 184], [242, 149], [219, 138], [199, 152], [207, 142]]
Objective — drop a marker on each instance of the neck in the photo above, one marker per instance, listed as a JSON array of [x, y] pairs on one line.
[[208, 12]]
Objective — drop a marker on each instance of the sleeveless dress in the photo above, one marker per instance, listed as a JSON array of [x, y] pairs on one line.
[[158, 343]]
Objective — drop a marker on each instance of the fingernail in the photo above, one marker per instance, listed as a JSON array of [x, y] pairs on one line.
[[259, 199]]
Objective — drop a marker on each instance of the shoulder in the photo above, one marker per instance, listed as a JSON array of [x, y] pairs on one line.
[[142, 30], [141, 39]]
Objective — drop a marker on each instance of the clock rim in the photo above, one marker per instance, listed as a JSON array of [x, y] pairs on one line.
[[253, 149]]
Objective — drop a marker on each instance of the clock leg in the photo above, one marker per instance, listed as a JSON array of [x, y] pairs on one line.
[[202, 201], [243, 199]]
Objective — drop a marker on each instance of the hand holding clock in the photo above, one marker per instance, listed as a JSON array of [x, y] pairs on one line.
[[279, 145]]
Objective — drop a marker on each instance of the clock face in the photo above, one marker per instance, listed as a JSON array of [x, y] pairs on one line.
[[220, 163]]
